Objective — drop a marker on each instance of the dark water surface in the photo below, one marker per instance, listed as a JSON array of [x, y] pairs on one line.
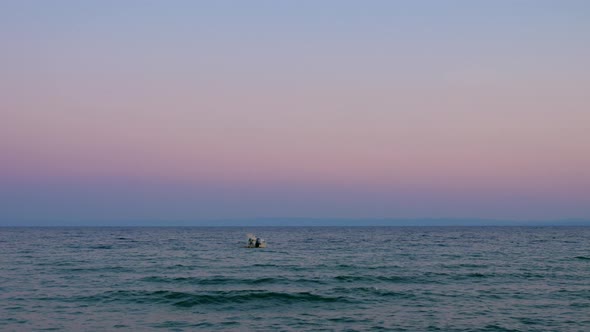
[[356, 278]]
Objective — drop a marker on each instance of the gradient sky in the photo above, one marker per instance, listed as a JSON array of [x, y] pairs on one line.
[[193, 110]]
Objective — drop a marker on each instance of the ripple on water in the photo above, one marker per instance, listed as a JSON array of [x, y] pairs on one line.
[[185, 299], [413, 279]]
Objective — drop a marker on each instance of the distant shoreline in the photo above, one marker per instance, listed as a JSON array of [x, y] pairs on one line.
[[299, 223]]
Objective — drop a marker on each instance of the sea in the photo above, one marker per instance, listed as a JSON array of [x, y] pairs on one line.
[[307, 279]]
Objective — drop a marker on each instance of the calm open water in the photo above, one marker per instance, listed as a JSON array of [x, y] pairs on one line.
[[309, 278]]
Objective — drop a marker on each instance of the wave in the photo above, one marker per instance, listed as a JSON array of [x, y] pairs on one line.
[[185, 299], [97, 269], [355, 278], [425, 278], [101, 246], [218, 280], [434, 277], [494, 327], [478, 275], [374, 291]]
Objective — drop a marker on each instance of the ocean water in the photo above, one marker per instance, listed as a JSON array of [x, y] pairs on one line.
[[309, 278]]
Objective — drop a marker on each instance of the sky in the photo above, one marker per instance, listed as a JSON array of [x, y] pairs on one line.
[[112, 111]]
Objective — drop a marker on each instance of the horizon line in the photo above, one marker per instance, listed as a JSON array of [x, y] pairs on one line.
[[305, 222]]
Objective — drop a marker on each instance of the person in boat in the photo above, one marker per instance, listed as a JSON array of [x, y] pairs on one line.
[[258, 242]]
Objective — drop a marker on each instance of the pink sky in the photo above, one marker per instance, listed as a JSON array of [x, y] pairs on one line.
[[435, 113]]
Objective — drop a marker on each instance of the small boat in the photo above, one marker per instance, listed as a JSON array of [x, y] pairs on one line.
[[255, 242]]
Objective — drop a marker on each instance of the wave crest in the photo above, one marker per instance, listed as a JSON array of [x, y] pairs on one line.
[[185, 299]]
